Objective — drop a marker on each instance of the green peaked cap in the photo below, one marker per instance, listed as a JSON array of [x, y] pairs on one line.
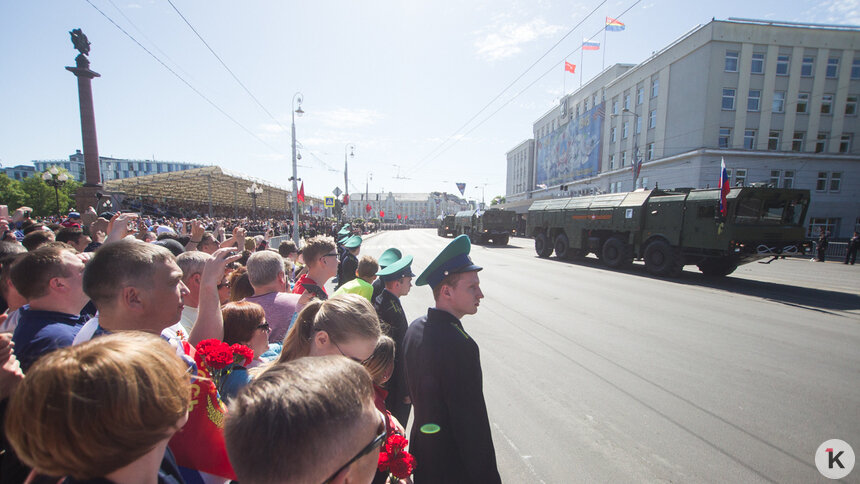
[[452, 260], [352, 242], [388, 257], [400, 268]]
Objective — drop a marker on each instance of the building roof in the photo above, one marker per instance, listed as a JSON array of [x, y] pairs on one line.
[[227, 188]]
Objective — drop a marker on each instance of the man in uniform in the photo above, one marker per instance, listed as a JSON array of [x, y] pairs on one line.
[[451, 437], [386, 259], [397, 278], [349, 260]]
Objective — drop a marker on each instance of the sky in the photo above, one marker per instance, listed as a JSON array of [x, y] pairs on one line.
[[429, 93]]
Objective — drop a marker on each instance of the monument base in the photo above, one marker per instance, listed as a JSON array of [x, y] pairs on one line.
[[85, 197]]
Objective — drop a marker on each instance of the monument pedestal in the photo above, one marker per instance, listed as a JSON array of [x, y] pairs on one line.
[[85, 197]]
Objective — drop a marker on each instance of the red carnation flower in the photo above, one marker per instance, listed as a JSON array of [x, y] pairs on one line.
[[220, 357], [402, 465], [384, 461], [244, 352], [205, 346], [395, 443]]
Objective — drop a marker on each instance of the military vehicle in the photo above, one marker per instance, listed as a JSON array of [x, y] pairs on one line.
[[484, 225], [672, 228], [446, 226]]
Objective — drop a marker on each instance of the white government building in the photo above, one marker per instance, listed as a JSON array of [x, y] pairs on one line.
[[777, 100]]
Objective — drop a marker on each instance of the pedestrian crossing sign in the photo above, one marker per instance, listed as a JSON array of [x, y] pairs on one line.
[[329, 202]]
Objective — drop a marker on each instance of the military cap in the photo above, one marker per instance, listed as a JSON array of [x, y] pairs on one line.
[[453, 259], [344, 239], [388, 257], [400, 268], [352, 242], [344, 230]]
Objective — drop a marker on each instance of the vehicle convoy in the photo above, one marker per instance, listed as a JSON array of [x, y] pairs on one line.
[[484, 225], [670, 229], [446, 226]]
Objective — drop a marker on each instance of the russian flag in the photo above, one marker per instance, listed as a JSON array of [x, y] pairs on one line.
[[588, 44], [613, 25], [724, 188]]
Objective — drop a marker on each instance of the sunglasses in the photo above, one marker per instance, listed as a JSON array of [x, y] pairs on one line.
[[265, 327], [373, 445], [335, 255], [360, 362], [223, 285]]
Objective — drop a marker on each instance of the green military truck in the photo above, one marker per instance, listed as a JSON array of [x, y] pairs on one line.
[[673, 228], [446, 226], [483, 226]]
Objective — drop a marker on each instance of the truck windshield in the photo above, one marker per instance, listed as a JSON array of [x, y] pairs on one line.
[[754, 210]]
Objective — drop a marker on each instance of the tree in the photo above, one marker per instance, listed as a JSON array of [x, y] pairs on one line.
[[497, 200], [11, 193], [42, 198]]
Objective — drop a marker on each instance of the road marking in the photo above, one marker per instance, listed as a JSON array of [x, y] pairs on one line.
[[525, 458]]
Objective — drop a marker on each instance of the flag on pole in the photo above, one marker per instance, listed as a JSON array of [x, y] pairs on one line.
[[613, 25], [301, 197], [570, 67], [636, 167], [588, 44], [724, 188]]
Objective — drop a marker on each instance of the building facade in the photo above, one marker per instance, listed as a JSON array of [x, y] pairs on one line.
[[114, 168], [521, 165], [777, 101], [417, 207], [18, 172]]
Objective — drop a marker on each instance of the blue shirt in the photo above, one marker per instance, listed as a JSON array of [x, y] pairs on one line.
[[40, 332]]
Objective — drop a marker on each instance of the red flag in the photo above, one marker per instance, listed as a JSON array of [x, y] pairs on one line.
[[301, 196], [368, 208], [381, 213], [570, 67], [398, 216]]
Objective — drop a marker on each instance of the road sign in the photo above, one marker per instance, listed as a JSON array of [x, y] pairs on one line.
[[329, 202], [337, 191]]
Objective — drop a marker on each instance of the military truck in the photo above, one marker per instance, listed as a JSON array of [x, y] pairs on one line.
[[673, 228], [446, 226], [482, 226]]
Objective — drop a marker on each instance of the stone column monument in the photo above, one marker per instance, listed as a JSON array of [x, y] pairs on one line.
[[86, 195]]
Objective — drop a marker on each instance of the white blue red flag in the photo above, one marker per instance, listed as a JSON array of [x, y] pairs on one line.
[[724, 187], [588, 44]]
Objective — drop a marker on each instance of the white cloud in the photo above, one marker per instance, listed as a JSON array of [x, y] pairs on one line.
[[841, 11], [348, 118], [502, 40]]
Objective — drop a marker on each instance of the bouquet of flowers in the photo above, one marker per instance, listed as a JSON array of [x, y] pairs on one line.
[[219, 358], [395, 459]]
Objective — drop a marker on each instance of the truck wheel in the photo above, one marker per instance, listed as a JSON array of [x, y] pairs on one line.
[[662, 260], [542, 246], [615, 253], [562, 246], [717, 268], [503, 241]]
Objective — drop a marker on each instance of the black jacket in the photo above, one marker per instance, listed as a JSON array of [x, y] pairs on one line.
[[390, 312]]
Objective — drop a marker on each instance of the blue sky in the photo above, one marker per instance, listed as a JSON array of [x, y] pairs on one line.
[[395, 78]]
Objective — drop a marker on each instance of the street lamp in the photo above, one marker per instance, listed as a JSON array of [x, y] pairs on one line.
[[54, 178], [254, 191], [351, 149], [297, 99], [636, 129], [483, 205]]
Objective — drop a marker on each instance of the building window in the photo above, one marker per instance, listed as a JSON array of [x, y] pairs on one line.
[[797, 141], [638, 124], [802, 102], [640, 96], [788, 179], [821, 183], [754, 100], [728, 99], [835, 181], [625, 129], [650, 151], [725, 138], [855, 69], [774, 178], [773, 141], [740, 177], [851, 106], [612, 135], [782, 65], [627, 101], [778, 101], [827, 104], [655, 87], [614, 107], [757, 66], [806, 66], [817, 223], [611, 162], [749, 139], [821, 143], [845, 143], [731, 61], [832, 68], [623, 158], [652, 118]]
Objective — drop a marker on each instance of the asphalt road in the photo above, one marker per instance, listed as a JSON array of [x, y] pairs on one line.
[[594, 375]]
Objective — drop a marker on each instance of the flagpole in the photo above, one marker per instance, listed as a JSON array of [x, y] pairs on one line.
[[580, 65], [604, 46], [564, 79]]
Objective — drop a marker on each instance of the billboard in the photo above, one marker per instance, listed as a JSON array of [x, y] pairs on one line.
[[572, 151]]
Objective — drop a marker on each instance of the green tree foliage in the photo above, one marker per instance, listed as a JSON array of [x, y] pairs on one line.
[[43, 200], [497, 200], [11, 193]]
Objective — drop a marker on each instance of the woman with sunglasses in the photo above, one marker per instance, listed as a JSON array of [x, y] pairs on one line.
[[245, 324]]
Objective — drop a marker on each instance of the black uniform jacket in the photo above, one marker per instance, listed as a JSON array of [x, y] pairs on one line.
[[443, 371], [390, 311], [346, 269]]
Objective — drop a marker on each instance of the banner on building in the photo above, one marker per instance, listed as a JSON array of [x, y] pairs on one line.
[[571, 152], [462, 188]]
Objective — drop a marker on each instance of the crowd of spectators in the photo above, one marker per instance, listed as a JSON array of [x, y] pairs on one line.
[[168, 349]]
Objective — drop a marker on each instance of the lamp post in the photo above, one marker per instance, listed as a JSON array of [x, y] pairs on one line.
[[482, 187], [635, 160], [351, 149], [297, 99], [254, 191], [54, 178]]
